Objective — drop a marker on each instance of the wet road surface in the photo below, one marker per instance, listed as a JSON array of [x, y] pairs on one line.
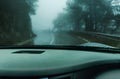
[[73, 39], [58, 38], [44, 38]]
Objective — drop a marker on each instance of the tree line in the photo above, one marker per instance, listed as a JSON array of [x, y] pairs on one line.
[[89, 15], [15, 22]]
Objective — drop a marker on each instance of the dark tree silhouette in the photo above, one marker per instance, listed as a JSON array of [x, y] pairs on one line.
[[15, 22], [94, 15], [91, 11]]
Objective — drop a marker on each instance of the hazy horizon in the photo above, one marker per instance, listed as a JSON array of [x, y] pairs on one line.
[[46, 12]]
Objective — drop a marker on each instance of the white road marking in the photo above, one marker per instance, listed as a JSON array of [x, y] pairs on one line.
[[52, 40], [25, 42], [83, 39]]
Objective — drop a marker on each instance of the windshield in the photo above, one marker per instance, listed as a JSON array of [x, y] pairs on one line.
[[60, 22]]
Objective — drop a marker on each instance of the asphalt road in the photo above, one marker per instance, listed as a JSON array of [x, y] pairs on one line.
[[44, 38], [58, 38], [69, 38]]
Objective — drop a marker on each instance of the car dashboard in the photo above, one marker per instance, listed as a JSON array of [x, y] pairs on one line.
[[55, 64]]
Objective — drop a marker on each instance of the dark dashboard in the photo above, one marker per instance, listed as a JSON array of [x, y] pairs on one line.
[[55, 64]]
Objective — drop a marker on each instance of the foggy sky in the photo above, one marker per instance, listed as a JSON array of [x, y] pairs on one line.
[[46, 12]]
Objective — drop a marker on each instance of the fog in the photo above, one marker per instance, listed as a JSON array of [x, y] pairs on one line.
[[46, 12]]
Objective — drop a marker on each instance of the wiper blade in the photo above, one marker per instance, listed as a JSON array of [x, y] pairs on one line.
[[63, 47]]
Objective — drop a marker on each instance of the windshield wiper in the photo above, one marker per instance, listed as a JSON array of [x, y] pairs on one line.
[[63, 47]]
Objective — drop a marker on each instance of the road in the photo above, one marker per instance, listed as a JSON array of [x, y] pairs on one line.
[[70, 38], [58, 38], [44, 38]]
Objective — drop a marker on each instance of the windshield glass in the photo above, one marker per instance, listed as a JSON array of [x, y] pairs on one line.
[[60, 22]]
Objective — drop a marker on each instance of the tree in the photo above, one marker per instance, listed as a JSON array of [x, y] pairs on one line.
[[92, 11], [63, 22], [95, 14], [15, 22]]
